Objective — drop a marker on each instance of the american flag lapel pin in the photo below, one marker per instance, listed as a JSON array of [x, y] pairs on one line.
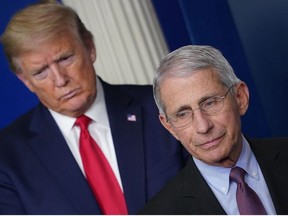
[[131, 117]]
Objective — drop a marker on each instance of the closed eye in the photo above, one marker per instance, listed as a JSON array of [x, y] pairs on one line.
[[209, 103], [183, 114], [65, 60], [41, 73]]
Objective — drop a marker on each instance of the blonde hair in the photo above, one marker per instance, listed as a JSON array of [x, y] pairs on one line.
[[39, 23]]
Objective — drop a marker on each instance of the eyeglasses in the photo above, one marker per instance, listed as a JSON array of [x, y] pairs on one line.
[[209, 107]]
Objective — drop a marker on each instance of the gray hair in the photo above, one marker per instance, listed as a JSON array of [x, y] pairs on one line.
[[185, 61]]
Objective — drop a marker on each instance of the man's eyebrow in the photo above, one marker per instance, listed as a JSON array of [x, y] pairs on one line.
[[65, 54], [188, 107], [206, 98], [182, 108], [38, 69]]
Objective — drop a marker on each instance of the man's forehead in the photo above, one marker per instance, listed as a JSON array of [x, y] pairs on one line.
[[189, 91]]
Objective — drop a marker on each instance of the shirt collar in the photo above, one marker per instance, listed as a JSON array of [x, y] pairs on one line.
[[247, 161], [97, 112], [220, 180]]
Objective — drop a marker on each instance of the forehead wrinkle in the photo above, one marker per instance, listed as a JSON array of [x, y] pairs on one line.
[[52, 54], [186, 103], [182, 108], [199, 101]]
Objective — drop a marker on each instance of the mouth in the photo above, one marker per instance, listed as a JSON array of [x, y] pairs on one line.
[[69, 94], [212, 143]]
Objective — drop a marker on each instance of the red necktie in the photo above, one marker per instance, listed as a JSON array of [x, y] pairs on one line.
[[247, 200], [99, 174]]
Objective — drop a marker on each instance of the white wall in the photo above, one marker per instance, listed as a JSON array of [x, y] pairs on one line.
[[128, 38]]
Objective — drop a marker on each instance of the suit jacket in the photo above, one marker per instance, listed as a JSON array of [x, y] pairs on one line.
[[188, 192], [39, 175]]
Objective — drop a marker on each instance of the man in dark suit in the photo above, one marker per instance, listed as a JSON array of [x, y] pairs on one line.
[[41, 169], [201, 102]]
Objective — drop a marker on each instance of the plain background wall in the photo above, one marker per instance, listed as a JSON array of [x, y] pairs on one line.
[[263, 29], [252, 34], [15, 97]]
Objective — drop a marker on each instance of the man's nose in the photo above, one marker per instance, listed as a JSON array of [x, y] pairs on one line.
[[201, 122], [59, 75]]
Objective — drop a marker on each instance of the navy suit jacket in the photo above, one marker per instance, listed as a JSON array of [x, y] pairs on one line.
[[188, 192], [39, 175]]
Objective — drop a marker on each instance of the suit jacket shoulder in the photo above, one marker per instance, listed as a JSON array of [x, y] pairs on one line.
[[143, 146], [38, 170], [187, 193], [271, 154]]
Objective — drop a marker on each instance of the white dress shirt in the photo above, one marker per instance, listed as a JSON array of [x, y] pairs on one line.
[[99, 129], [225, 190]]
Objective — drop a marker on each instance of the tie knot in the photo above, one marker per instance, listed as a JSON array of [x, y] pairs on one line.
[[83, 121], [237, 174]]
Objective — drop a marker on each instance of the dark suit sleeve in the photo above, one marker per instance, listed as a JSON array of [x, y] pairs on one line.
[[10, 202]]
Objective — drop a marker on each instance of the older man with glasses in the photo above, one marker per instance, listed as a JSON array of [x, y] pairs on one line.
[[201, 102]]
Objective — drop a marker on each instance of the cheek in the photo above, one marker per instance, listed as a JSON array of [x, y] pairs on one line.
[[233, 120], [41, 87], [231, 123], [46, 93], [186, 137], [83, 74]]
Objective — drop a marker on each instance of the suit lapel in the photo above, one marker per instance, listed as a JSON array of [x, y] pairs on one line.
[[126, 127], [272, 158], [198, 198], [52, 150]]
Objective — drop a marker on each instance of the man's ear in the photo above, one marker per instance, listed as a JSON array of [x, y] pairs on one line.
[[242, 97], [167, 125], [93, 53], [90, 46], [25, 81]]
